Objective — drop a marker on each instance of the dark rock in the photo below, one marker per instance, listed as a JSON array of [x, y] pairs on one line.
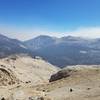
[[28, 82], [59, 75], [3, 98], [71, 90], [88, 88]]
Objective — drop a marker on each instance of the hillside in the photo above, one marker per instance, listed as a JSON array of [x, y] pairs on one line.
[[27, 69], [67, 50], [83, 83], [10, 46]]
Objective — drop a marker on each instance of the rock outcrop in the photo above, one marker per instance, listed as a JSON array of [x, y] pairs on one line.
[[25, 69], [60, 74], [7, 77]]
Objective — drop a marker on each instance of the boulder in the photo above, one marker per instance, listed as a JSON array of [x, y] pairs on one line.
[[61, 74]]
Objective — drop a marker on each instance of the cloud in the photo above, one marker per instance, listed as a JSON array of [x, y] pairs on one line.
[[28, 33], [88, 32]]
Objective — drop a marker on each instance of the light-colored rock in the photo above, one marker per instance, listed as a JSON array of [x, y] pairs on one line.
[[28, 70]]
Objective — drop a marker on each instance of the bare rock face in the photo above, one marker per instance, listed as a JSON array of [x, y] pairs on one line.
[[7, 77], [61, 74], [25, 69], [19, 73]]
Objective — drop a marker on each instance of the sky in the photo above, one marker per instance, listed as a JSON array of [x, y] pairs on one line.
[[26, 19]]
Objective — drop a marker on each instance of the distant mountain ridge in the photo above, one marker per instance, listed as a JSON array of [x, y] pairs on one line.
[[10, 46], [39, 42], [66, 50], [61, 52]]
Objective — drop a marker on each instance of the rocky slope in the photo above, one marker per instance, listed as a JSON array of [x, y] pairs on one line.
[[82, 83], [27, 69], [18, 72]]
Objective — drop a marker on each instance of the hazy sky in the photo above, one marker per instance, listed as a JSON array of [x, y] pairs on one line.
[[24, 19]]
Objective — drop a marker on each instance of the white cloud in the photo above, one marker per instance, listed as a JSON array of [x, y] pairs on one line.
[[88, 32], [25, 34]]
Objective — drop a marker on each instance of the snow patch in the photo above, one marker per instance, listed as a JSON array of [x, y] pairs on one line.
[[23, 46], [83, 52]]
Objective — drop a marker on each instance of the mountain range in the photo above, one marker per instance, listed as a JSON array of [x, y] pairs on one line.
[[10, 46], [66, 50], [61, 52]]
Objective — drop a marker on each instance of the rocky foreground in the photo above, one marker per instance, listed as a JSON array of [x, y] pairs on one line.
[[25, 78]]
